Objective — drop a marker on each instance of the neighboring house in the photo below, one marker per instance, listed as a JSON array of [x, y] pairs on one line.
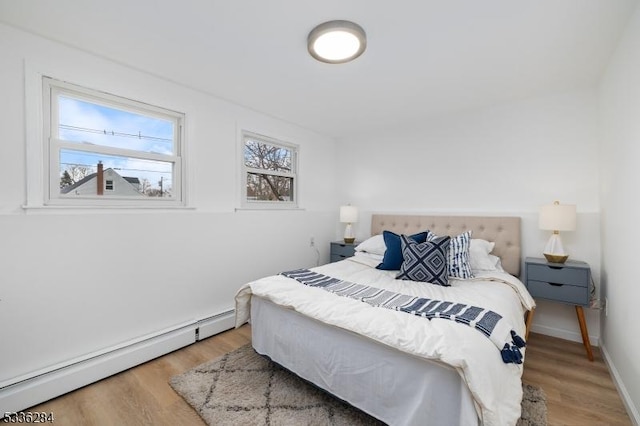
[[112, 185]]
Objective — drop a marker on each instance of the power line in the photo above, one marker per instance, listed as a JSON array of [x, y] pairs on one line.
[[113, 133], [92, 166]]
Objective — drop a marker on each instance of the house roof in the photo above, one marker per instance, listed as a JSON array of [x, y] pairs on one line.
[[67, 189], [423, 56], [81, 182], [132, 180]]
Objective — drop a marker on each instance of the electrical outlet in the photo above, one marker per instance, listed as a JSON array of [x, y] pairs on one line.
[[312, 242], [606, 306]]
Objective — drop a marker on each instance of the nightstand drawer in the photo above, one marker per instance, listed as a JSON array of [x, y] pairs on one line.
[[575, 295], [344, 250], [558, 275], [341, 251]]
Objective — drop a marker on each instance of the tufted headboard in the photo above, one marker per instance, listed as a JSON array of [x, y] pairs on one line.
[[504, 231]]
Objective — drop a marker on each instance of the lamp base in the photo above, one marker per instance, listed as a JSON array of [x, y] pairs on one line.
[[556, 258], [348, 234]]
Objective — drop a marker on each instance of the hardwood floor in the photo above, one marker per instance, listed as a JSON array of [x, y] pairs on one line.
[[142, 395], [579, 392]]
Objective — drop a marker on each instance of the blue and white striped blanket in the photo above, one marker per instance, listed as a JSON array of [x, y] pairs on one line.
[[489, 323]]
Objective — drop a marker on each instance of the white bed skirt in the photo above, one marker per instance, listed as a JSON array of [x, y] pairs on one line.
[[395, 387]]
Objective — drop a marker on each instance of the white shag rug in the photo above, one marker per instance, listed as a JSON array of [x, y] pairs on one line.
[[245, 388]]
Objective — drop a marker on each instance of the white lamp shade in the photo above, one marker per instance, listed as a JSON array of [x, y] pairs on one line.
[[557, 217], [348, 214]]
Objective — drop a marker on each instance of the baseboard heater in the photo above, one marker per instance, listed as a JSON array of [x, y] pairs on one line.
[[26, 391]]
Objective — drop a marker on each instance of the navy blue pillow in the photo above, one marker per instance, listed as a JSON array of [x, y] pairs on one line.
[[426, 262], [392, 259]]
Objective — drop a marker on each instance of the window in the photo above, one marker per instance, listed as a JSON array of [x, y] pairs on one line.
[[269, 176], [105, 150]]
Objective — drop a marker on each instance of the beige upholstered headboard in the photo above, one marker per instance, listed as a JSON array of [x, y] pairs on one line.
[[504, 231]]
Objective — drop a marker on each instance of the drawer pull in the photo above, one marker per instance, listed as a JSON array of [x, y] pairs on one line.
[[555, 267], [556, 284]]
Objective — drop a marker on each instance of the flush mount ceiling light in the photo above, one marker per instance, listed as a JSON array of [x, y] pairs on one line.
[[337, 42]]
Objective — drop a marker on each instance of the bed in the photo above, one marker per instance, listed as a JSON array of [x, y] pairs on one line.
[[399, 368]]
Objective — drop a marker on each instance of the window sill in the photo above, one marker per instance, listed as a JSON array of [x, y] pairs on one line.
[[102, 209], [269, 208]]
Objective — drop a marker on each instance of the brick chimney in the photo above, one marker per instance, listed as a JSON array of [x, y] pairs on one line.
[[100, 181]]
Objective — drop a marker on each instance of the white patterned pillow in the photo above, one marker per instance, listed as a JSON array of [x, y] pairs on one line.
[[459, 265], [426, 262]]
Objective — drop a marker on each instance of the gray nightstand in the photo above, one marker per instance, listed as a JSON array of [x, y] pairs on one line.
[[341, 250], [561, 282]]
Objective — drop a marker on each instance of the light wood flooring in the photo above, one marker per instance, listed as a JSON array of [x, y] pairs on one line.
[[579, 392]]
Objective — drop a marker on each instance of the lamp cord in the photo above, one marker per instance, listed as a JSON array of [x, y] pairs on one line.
[[592, 296]]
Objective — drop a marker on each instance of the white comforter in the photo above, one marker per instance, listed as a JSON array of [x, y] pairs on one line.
[[496, 387]]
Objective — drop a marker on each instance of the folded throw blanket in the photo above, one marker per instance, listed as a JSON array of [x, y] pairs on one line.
[[489, 323]]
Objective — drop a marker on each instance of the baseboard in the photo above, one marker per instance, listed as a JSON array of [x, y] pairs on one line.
[[41, 386], [207, 327], [563, 334], [632, 410]]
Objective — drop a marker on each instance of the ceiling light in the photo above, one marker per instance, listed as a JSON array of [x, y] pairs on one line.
[[337, 42]]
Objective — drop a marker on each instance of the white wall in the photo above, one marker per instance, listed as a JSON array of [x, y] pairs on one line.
[[620, 189], [73, 282], [503, 160]]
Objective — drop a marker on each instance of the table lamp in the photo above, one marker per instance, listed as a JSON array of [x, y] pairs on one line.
[[348, 215], [557, 217]]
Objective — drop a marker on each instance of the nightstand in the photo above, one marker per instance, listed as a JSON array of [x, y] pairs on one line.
[[341, 250], [561, 282]]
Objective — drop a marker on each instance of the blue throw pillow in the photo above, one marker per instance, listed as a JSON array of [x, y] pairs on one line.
[[392, 259], [426, 262]]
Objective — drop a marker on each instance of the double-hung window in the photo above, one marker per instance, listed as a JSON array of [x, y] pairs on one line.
[[269, 172], [105, 150]]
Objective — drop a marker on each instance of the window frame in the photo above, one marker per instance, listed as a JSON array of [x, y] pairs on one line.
[[51, 88], [245, 203]]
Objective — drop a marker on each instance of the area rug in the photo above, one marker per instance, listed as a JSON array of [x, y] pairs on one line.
[[245, 388]]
